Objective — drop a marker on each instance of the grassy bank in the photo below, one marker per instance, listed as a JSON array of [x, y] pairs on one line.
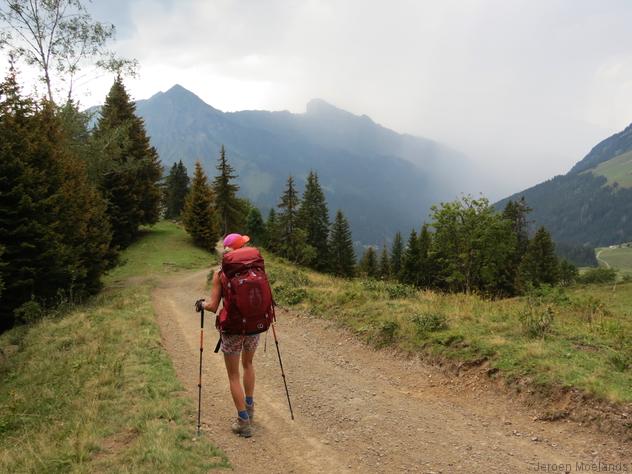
[[92, 390], [578, 338]]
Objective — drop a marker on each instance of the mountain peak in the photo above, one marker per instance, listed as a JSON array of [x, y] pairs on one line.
[[179, 91], [322, 108], [181, 96]]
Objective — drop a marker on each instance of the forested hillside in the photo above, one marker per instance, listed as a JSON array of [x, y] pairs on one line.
[[590, 205]]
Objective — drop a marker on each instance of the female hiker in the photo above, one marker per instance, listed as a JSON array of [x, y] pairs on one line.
[[247, 311]]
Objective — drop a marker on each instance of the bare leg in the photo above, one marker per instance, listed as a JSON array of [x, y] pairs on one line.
[[249, 372], [236, 390]]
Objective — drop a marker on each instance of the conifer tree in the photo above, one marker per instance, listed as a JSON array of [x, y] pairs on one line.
[[411, 264], [177, 187], [385, 264], [255, 227], [397, 254], [2, 265], [368, 263], [52, 223], [272, 232], [292, 239], [131, 168], [425, 271], [229, 209], [568, 273], [82, 212], [539, 264], [516, 212], [342, 256], [198, 215], [313, 217]]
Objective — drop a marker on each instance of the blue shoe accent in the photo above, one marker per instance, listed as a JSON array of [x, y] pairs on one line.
[[250, 400], [243, 415]]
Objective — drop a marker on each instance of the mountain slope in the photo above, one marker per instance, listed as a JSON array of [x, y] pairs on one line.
[[361, 164], [592, 203]]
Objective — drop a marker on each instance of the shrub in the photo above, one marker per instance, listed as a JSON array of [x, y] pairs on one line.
[[384, 333], [537, 318], [599, 275], [591, 309], [398, 290], [550, 294], [371, 284], [29, 312], [288, 277], [289, 295], [430, 322], [620, 361]]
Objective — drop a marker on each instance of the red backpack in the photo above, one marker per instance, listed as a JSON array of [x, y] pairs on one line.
[[248, 305]]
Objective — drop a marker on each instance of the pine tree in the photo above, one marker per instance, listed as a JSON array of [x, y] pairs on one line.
[[568, 273], [255, 228], [198, 215], [2, 266], [368, 263], [516, 212], [397, 254], [82, 213], [385, 264], [177, 187], [539, 264], [272, 232], [341, 252], [52, 223], [426, 265], [411, 264], [229, 209], [313, 217], [292, 244], [131, 170]]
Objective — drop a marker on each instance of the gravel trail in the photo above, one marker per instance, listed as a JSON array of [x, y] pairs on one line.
[[360, 410]]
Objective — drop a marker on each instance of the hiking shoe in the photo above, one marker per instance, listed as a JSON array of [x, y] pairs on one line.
[[242, 428], [251, 411]]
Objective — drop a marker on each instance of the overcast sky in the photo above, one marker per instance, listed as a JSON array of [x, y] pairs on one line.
[[523, 87]]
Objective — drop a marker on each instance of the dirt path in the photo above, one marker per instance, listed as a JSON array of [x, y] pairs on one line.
[[601, 259], [359, 410]]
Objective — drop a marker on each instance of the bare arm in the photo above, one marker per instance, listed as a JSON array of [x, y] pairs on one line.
[[216, 294]]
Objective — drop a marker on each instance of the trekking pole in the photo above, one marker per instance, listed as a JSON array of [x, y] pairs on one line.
[[199, 305], [276, 341]]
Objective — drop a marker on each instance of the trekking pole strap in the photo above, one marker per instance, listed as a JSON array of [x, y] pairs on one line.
[[219, 344]]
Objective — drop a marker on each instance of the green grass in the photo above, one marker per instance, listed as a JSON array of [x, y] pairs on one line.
[[586, 346], [93, 390], [161, 249], [619, 257], [617, 170]]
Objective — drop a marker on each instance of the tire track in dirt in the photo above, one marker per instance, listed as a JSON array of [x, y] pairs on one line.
[[359, 410]]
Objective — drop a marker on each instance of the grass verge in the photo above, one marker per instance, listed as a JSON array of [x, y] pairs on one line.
[[93, 390], [579, 338]]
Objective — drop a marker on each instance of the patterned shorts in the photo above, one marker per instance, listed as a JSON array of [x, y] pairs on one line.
[[233, 344]]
